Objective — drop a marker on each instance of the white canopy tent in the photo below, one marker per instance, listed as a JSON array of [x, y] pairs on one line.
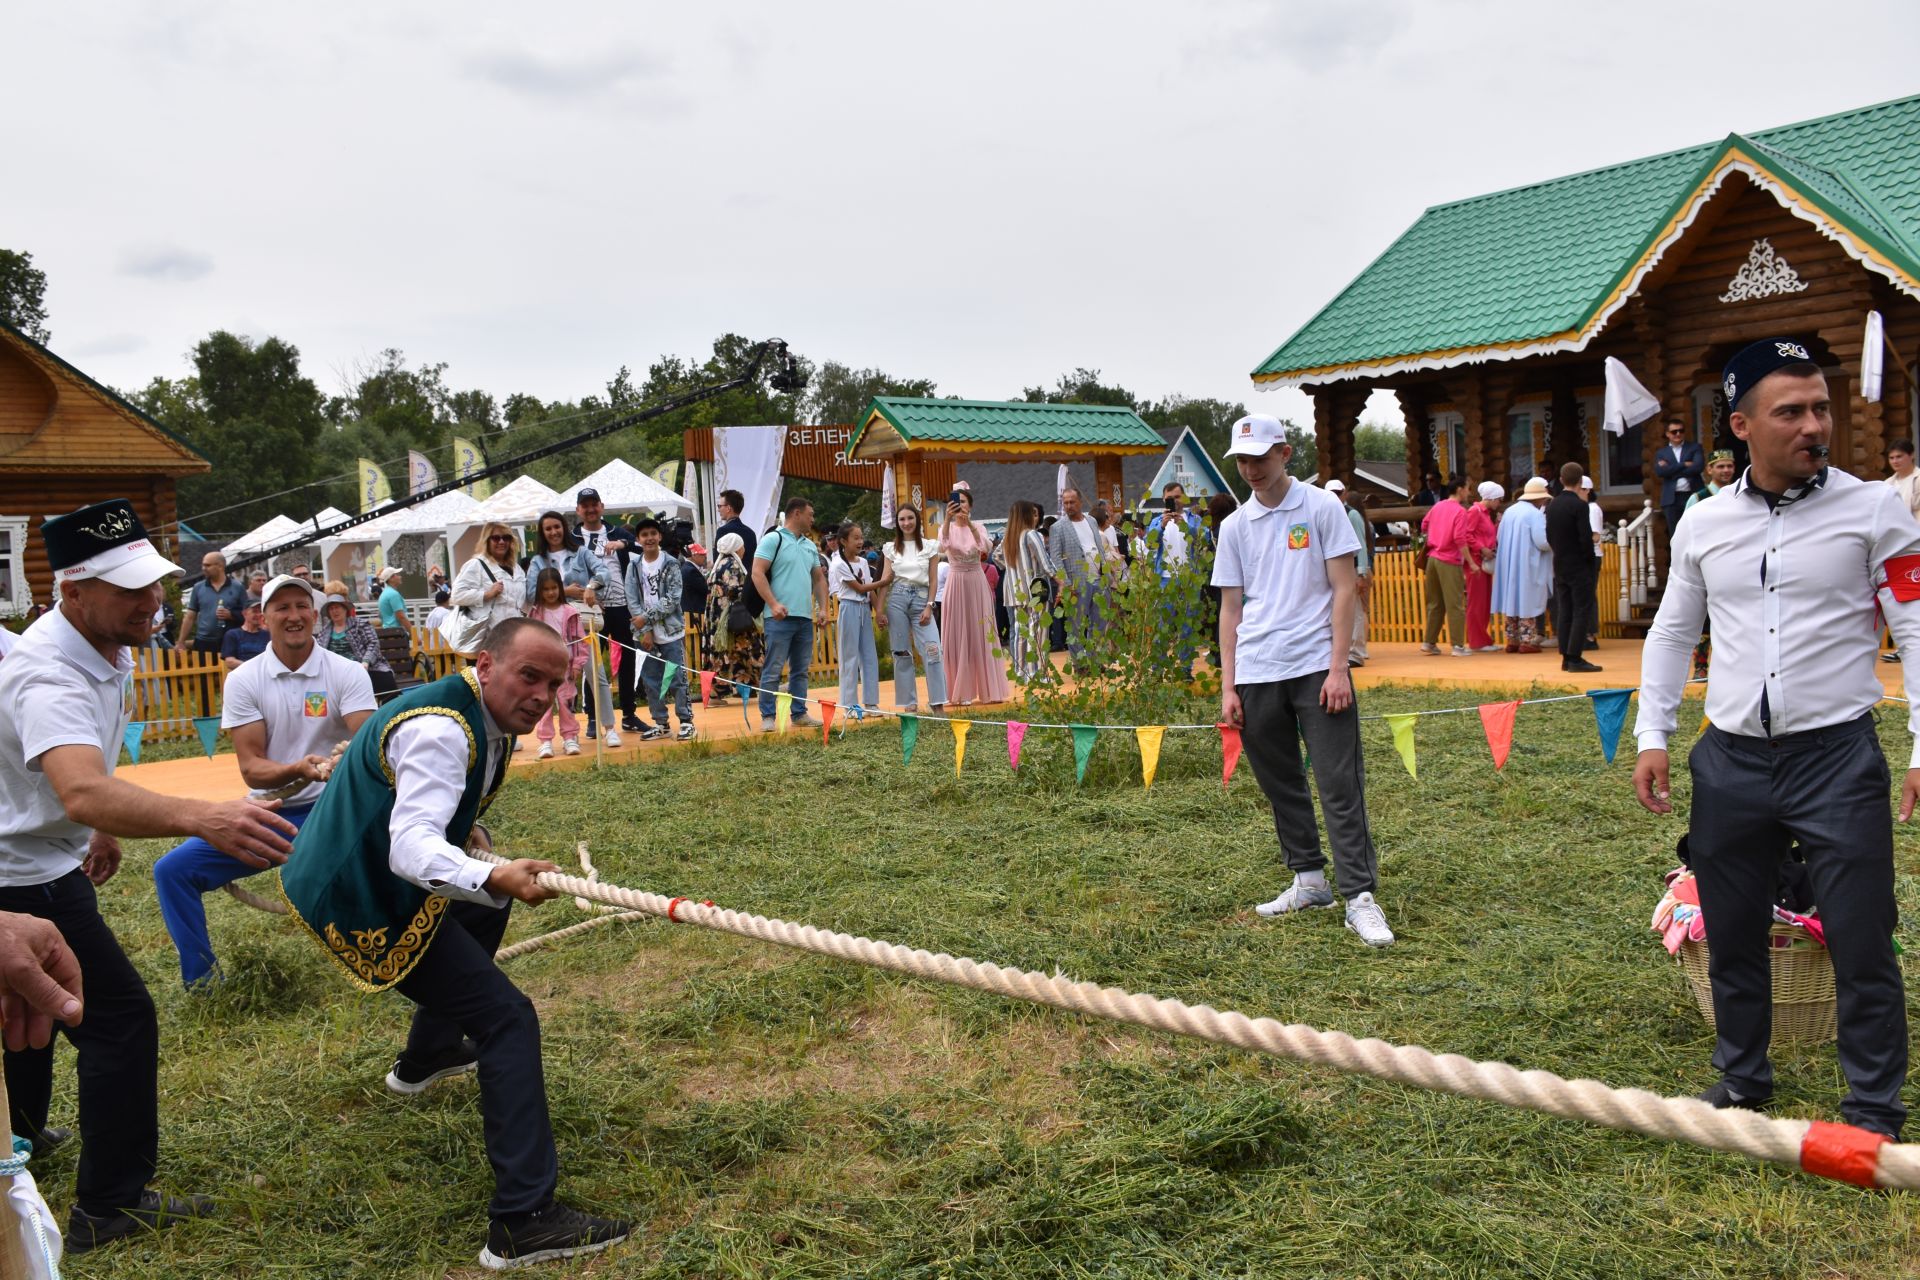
[[624, 487], [522, 502], [452, 515], [276, 530]]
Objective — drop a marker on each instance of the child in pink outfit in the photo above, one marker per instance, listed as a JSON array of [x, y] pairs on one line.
[[550, 607]]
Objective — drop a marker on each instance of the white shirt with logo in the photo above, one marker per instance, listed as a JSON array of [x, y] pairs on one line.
[[55, 691], [304, 709], [1278, 557]]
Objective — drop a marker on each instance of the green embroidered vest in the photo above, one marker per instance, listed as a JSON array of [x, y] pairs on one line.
[[373, 924]]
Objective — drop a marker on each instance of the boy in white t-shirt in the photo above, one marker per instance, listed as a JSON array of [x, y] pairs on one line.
[[1288, 586]]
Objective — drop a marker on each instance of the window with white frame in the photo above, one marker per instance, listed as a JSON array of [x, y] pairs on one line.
[[1450, 444], [1526, 425], [15, 599]]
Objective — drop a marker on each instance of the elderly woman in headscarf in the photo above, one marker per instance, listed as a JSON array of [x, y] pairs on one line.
[[1477, 547], [737, 653], [1523, 568]]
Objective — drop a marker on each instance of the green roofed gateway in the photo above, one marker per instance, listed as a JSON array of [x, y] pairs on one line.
[[1490, 318]]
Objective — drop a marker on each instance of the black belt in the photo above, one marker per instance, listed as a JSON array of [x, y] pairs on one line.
[[1826, 735]]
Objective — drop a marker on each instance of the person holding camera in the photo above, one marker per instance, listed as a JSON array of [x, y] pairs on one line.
[[976, 671]]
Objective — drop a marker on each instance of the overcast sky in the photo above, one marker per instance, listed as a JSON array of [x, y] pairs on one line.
[[986, 195]]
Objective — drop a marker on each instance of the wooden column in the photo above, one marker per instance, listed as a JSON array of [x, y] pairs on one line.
[[1413, 405], [1865, 442], [1336, 417]]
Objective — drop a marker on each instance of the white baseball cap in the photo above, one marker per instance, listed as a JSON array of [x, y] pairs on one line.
[[1335, 486], [288, 580], [1586, 482], [1255, 434]]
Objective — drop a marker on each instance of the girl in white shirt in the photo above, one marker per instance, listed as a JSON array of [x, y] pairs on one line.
[[911, 565], [850, 582]]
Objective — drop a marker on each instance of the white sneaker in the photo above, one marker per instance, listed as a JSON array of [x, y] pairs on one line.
[[613, 738], [1461, 651], [545, 752], [1365, 918], [571, 746], [1298, 897]]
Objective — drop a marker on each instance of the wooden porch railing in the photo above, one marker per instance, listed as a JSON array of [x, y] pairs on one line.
[[1397, 611]]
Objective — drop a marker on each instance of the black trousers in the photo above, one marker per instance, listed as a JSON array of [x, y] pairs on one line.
[[459, 989], [1278, 715], [619, 626], [1574, 614], [118, 1049], [1827, 789]]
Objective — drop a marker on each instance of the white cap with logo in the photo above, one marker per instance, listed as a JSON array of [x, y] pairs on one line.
[[1255, 434]]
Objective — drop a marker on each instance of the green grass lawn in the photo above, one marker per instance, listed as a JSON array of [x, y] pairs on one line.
[[763, 1113]]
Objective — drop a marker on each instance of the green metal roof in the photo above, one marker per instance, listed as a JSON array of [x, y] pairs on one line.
[[1009, 422], [1542, 261]]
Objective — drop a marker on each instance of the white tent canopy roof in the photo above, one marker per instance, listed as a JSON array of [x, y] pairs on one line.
[[522, 502], [624, 487], [276, 530]]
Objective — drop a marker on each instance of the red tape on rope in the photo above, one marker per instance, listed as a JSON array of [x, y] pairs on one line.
[[1841, 1152], [677, 901]]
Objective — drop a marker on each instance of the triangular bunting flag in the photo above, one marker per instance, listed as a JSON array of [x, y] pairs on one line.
[[208, 727], [909, 735], [1083, 736], [960, 728], [1149, 737], [782, 710], [130, 738], [1609, 713], [1229, 751], [666, 677], [706, 688], [1402, 726], [1497, 719], [745, 694], [1016, 734], [826, 718]]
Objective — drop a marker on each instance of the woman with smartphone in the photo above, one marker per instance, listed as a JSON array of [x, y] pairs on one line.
[[976, 670]]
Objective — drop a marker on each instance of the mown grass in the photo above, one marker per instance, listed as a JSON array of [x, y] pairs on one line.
[[769, 1114]]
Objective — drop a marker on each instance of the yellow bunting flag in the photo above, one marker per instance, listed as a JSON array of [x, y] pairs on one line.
[[1149, 736], [1402, 726], [960, 728], [782, 711]]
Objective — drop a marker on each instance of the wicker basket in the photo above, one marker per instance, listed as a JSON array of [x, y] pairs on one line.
[[1802, 985]]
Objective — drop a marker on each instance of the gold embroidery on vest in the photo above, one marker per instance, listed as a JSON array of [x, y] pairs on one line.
[[363, 957], [386, 766]]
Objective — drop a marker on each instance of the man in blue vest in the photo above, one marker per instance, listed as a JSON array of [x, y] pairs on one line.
[[382, 876]]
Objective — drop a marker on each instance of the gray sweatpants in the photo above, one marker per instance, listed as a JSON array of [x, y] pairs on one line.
[[1278, 714]]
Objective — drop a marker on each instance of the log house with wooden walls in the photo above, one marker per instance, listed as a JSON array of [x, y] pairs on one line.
[[65, 441], [1490, 318]]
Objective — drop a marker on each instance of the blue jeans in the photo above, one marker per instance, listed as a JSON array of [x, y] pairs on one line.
[[904, 605], [859, 657], [789, 644], [674, 651], [180, 877]]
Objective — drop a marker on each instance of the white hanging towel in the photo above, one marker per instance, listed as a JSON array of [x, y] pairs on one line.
[[1060, 492], [1873, 352], [1628, 403], [886, 497]]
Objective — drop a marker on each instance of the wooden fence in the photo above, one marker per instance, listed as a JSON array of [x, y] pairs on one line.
[[1397, 611]]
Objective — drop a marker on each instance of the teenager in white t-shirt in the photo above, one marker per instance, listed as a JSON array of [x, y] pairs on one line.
[[1288, 586], [912, 565], [286, 708]]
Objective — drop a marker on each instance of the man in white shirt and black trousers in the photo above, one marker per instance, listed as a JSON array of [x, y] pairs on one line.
[[66, 697], [1794, 563], [1285, 569]]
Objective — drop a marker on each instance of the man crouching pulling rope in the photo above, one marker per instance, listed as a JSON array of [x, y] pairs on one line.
[[379, 875]]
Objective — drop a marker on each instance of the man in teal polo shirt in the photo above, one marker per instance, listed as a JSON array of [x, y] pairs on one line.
[[788, 576]]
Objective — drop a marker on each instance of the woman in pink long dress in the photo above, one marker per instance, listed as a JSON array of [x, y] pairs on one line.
[[975, 671], [1478, 541]]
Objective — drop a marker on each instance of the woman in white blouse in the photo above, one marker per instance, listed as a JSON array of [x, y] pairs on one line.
[[492, 585], [850, 582], [909, 573]]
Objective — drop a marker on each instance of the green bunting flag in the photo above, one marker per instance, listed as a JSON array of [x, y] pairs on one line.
[[909, 736], [208, 727], [666, 677], [1083, 736]]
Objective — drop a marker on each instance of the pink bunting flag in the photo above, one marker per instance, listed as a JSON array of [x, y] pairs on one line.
[[706, 689], [1497, 719], [1229, 750], [1016, 734], [826, 718]]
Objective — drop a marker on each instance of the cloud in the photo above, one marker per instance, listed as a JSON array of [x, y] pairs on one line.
[[618, 72], [110, 344], [165, 262], [1318, 37]]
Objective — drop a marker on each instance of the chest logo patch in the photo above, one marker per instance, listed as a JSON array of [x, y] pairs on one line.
[[316, 707], [1297, 537]]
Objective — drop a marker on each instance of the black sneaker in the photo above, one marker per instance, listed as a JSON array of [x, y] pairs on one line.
[[554, 1232], [50, 1140], [686, 733], [1722, 1096], [630, 724], [155, 1212], [652, 733], [409, 1077]]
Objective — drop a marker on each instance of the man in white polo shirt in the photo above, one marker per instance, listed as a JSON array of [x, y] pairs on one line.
[[287, 709], [65, 700], [1285, 569]]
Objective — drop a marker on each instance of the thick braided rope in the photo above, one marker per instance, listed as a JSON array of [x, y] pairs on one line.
[[255, 901], [1733, 1130], [535, 943]]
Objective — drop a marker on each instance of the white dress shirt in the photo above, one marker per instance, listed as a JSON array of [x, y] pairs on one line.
[[1792, 591], [428, 755]]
